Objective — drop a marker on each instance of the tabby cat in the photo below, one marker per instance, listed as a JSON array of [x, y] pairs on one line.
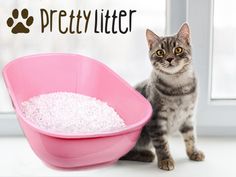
[[172, 92]]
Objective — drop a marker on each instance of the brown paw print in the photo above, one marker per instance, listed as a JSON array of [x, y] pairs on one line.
[[22, 26]]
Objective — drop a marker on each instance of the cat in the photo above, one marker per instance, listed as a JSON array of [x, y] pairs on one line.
[[172, 91]]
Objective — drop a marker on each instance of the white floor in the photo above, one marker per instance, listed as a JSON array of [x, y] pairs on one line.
[[17, 159]]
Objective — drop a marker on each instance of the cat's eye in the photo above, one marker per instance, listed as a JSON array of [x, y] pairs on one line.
[[160, 53], [178, 50]]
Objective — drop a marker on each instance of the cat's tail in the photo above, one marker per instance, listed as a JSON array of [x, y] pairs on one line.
[[139, 155]]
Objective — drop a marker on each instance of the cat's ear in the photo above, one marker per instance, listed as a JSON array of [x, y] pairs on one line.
[[184, 33], [151, 38]]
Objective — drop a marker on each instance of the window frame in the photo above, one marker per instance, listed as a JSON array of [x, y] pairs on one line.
[[9, 125], [215, 116]]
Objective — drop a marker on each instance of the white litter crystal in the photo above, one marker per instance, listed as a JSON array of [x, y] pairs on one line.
[[71, 113]]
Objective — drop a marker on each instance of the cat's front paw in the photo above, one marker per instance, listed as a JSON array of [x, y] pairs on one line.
[[167, 164], [196, 155]]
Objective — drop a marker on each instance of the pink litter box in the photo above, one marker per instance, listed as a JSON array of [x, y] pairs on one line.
[[45, 73]]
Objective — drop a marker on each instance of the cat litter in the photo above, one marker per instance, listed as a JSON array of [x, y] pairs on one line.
[[71, 113]]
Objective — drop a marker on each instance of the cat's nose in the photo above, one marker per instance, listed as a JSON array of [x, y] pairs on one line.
[[170, 59]]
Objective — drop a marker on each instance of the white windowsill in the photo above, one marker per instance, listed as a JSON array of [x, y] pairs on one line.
[[17, 159]]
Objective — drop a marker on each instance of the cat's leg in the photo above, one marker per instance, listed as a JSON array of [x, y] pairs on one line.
[[141, 152], [187, 131], [158, 133]]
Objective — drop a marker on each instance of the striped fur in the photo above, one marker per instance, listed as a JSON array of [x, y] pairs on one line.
[[172, 91]]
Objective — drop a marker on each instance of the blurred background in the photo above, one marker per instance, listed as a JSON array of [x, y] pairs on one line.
[[124, 53]]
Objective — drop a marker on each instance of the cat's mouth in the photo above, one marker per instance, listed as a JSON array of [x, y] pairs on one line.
[[171, 65], [171, 68]]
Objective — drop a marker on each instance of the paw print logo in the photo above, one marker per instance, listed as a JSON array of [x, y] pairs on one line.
[[20, 24]]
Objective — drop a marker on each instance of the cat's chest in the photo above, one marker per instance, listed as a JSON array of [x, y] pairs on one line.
[[178, 109]]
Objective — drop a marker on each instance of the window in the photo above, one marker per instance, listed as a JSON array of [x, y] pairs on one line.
[[224, 51], [124, 53], [215, 116]]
